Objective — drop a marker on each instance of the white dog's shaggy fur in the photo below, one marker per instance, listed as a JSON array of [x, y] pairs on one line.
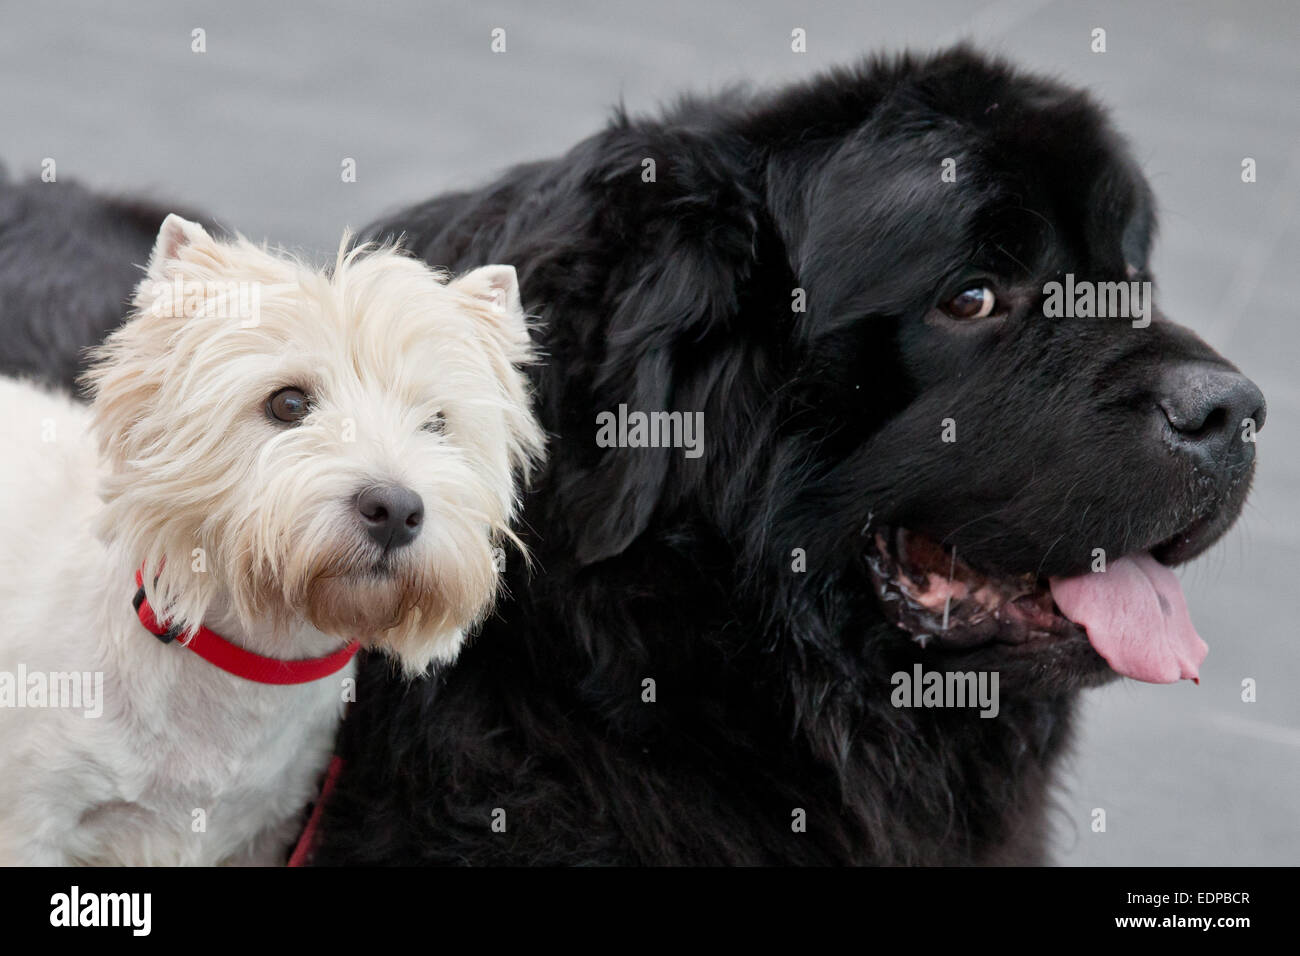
[[250, 526]]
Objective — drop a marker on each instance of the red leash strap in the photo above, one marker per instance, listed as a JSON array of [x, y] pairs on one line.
[[307, 842], [233, 659]]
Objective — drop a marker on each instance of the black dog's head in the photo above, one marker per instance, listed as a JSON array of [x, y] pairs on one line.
[[966, 251], [913, 302]]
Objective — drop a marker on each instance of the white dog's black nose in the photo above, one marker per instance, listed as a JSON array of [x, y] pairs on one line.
[[391, 514], [1208, 407]]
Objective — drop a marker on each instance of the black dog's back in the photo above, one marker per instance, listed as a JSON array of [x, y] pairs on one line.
[[69, 259]]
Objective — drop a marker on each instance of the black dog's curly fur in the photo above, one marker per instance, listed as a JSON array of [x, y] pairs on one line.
[[772, 686]]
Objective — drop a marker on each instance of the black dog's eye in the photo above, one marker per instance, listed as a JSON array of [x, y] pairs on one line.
[[977, 302], [435, 424], [288, 406]]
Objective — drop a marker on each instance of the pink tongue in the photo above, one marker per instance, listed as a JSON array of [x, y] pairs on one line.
[[1136, 618]]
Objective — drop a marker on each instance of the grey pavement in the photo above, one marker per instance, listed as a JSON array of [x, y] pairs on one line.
[[256, 128]]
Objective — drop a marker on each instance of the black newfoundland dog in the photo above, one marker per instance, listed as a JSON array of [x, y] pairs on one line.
[[905, 458], [915, 453]]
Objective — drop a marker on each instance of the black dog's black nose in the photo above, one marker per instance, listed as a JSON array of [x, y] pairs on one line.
[[392, 514], [1214, 413]]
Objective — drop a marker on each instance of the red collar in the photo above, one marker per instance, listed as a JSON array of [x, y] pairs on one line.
[[235, 660]]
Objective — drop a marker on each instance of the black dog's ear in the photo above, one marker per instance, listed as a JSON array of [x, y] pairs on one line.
[[1140, 230], [615, 500], [661, 312], [866, 226], [686, 244], [1119, 210], [788, 201]]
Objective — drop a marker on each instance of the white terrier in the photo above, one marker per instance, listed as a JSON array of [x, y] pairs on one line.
[[290, 463]]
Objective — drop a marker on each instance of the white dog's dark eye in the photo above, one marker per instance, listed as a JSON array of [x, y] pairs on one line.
[[435, 424], [288, 405], [978, 302]]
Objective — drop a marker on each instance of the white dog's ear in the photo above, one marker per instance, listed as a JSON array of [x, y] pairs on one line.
[[175, 235], [496, 285], [494, 290]]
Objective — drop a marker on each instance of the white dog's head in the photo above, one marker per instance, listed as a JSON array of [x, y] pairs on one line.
[[340, 447]]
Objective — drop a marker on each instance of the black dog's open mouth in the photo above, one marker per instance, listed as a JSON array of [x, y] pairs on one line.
[[1132, 612], [935, 596]]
